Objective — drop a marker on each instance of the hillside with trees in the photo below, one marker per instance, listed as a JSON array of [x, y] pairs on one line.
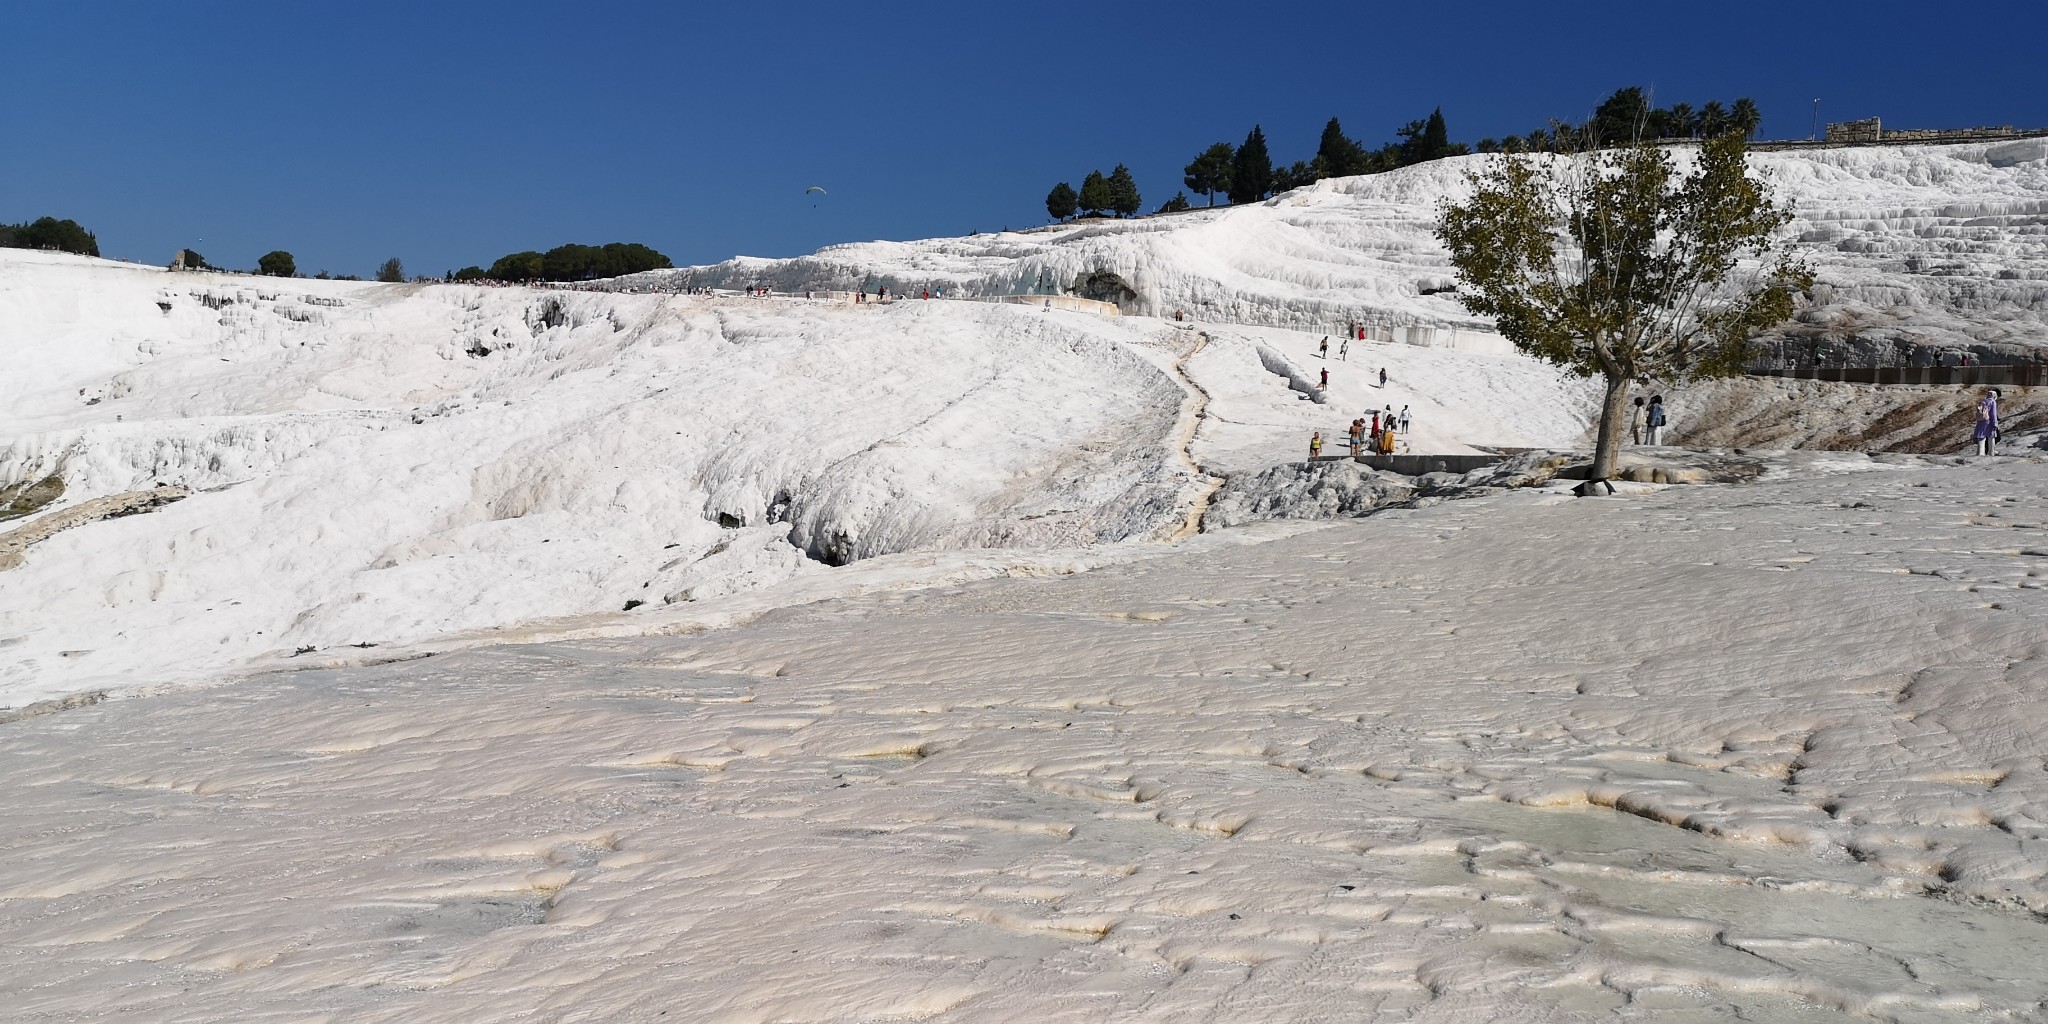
[[1248, 173], [50, 233], [572, 262]]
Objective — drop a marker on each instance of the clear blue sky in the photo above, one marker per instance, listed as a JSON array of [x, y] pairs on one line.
[[451, 133]]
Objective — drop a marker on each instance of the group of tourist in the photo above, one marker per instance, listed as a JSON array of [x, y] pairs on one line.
[[1378, 431]]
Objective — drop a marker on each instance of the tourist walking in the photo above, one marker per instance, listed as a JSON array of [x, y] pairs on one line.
[[1315, 444], [1635, 422], [1344, 349], [1325, 382], [1383, 376], [1404, 419], [1986, 434], [1357, 436], [1375, 424], [1654, 419], [1323, 350]]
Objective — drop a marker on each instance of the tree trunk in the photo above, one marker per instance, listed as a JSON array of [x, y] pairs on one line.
[[1613, 417]]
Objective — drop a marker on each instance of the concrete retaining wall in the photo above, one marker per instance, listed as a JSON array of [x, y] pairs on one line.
[[1416, 465]]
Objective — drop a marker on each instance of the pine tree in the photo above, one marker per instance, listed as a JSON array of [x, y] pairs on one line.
[[1211, 171], [1412, 144], [1436, 139], [1061, 202], [1622, 118], [277, 263], [1178, 203], [1123, 192], [1251, 174], [1095, 197], [1337, 155], [391, 271]]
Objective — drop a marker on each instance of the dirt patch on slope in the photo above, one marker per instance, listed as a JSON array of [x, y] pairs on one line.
[[1758, 412]]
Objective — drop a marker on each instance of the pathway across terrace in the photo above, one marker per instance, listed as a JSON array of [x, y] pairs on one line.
[[1775, 752]]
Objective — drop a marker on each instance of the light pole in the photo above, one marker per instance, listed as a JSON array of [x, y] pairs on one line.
[[1815, 137]]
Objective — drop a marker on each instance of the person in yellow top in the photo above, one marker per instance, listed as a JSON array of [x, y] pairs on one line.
[[1315, 444]]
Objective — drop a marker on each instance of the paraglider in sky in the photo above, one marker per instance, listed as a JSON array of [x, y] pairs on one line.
[[814, 188]]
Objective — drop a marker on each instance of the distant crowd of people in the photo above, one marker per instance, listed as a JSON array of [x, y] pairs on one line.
[[1383, 431]]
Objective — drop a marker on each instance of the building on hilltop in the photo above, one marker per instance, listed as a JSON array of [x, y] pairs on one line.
[[1870, 129]]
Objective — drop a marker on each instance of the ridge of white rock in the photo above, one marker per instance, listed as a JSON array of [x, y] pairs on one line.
[[1919, 248]]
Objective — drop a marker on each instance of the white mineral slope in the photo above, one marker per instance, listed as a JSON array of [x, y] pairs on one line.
[[1457, 402], [380, 465], [366, 474], [1932, 246], [1772, 752]]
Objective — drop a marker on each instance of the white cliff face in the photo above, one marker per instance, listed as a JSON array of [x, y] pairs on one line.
[[1917, 249], [384, 464], [377, 463]]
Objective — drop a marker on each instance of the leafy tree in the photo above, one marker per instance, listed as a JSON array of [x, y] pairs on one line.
[[194, 261], [1609, 263], [1488, 146], [1061, 202], [1211, 171], [391, 271], [471, 274], [569, 263], [634, 258], [277, 263], [323, 275], [1178, 203], [1095, 194], [1745, 118], [1123, 192], [50, 233], [518, 266], [1251, 172], [1622, 118], [1339, 155], [573, 262]]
